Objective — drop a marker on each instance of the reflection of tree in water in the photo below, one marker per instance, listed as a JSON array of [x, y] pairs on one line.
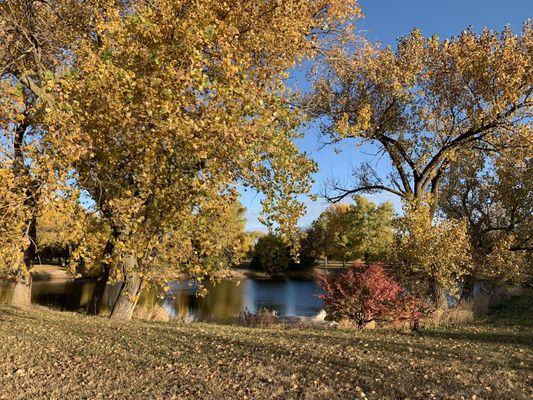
[[68, 295], [223, 301], [181, 304]]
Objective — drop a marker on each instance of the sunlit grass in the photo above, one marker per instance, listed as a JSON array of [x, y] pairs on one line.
[[50, 354]]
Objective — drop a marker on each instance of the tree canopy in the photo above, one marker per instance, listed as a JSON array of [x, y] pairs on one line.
[[425, 101], [423, 105], [171, 104]]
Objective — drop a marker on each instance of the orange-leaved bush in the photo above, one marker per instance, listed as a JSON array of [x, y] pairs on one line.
[[366, 293]]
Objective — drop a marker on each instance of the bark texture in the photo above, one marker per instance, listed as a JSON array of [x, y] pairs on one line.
[[129, 292], [21, 293]]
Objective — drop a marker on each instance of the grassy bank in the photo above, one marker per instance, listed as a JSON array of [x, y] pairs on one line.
[[47, 354]]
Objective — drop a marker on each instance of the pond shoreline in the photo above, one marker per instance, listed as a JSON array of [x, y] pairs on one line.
[[242, 273], [49, 272]]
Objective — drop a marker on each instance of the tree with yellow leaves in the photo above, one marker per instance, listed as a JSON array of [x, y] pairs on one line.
[[424, 248], [422, 104], [493, 192], [34, 41], [170, 105]]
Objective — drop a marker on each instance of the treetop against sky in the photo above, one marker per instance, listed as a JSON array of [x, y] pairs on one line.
[[384, 22]]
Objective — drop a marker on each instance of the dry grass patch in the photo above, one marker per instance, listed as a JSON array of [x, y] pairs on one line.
[[48, 354]]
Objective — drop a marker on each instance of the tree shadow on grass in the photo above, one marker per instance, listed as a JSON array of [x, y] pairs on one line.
[[522, 338], [14, 312]]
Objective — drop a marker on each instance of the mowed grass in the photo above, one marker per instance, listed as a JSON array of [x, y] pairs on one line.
[[46, 354]]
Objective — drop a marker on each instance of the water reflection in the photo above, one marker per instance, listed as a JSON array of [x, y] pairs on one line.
[[228, 298], [223, 302]]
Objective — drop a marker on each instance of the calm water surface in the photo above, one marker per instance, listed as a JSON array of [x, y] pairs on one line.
[[287, 297]]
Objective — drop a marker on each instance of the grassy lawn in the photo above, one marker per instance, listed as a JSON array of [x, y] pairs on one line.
[[47, 354]]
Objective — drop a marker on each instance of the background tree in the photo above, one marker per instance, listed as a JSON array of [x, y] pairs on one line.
[[359, 231], [332, 231], [423, 103], [60, 227], [232, 240], [493, 192], [370, 229], [271, 254], [34, 41], [174, 103], [253, 237]]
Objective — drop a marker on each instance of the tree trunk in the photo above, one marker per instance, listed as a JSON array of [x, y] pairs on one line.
[[440, 298], [22, 293], [127, 298], [22, 290], [95, 304], [467, 291], [93, 308], [129, 291]]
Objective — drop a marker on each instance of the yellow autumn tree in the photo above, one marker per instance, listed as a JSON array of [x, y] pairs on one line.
[[34, 41], [436, 249], [170, 105], [421, 104], [493, 192]]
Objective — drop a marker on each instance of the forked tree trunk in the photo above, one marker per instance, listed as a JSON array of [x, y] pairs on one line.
[[129, 292]]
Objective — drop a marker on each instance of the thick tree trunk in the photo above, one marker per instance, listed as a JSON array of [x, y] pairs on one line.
[[129, 290], [128, 296], [22, 290], [21, 293], [440, 297]]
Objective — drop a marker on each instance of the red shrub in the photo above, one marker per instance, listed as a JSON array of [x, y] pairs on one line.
[[366, 293]]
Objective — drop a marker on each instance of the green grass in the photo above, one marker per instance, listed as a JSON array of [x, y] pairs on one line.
[[46, 354]]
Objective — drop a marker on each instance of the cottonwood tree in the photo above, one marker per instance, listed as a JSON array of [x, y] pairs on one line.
[[172, 103], [424, 102], [34, 39], [493, 192]]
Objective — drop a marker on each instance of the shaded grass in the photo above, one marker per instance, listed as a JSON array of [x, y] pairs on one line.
[[46, 354]]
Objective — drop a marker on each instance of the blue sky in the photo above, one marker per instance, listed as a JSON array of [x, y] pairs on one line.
[[384, 21]]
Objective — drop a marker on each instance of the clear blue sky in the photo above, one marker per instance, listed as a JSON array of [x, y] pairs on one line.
[[384, 21]]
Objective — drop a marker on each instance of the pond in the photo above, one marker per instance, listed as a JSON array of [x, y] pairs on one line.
[[288, 297]]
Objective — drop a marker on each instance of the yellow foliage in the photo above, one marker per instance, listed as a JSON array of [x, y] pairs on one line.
[[436, 250], [171, 104]]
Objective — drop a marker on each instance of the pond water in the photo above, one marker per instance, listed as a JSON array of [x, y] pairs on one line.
[[224, 300]]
